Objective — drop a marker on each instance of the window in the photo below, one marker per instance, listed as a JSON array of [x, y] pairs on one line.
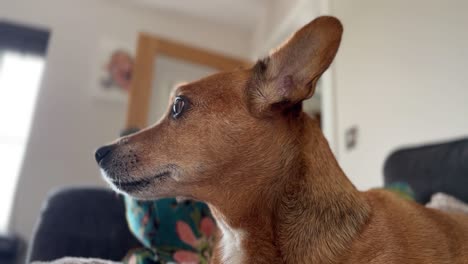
[[21, 67]]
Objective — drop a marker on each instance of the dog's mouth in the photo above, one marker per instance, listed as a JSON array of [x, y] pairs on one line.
[[136, 185]]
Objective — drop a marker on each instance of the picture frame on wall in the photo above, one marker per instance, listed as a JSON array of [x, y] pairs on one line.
[[113, 70]]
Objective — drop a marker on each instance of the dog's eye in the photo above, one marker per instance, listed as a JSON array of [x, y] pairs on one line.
[[180, 103]]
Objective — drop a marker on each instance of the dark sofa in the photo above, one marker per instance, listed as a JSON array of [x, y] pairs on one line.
[[441, 167], [82, 222]]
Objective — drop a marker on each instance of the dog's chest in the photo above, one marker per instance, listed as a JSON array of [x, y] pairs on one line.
[[231, 244]]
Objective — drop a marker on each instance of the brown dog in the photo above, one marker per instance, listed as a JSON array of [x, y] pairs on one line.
[[240, 142]]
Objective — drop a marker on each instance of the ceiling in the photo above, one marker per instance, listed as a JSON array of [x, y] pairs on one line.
[[240, 13]]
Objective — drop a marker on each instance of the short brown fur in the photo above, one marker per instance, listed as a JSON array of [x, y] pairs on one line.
[[244, 146]]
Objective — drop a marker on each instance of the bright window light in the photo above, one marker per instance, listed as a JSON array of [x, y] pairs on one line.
[[20, 76]]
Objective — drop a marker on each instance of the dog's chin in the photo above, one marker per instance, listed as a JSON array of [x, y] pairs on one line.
[[143, 189]]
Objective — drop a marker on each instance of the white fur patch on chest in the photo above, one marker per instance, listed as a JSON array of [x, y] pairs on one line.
[[231, 244]]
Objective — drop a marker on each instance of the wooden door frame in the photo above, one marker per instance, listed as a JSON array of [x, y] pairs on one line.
[[148, 49]]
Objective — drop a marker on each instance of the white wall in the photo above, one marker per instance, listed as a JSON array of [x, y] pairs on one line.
[[69, 123], [401, 77]]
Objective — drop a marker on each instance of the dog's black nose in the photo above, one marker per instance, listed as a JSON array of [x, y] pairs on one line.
[[102, 152]]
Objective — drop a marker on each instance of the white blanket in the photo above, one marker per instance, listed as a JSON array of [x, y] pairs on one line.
[[447, 203]]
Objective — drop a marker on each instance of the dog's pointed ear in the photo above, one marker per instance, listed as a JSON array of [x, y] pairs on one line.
[[290, 74]]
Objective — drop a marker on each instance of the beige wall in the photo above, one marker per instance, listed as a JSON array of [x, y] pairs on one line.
[[69, 123], [401, 77]]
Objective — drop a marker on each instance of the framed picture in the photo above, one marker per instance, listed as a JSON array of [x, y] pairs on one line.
[[113, 71]]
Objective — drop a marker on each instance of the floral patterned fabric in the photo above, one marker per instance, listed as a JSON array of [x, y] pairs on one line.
[[403, 189], [171, 231]]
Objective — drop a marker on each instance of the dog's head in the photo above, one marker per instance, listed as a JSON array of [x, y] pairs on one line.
[[219, 131]]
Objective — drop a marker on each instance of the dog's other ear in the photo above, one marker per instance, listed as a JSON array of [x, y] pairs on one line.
[[290, 74]]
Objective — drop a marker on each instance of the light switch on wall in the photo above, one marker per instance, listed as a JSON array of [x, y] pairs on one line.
[[351, 137]]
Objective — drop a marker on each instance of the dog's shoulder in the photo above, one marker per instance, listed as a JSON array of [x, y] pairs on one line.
[[400, 225]]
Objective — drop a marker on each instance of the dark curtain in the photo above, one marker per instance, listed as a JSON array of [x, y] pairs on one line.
[[23, 39]]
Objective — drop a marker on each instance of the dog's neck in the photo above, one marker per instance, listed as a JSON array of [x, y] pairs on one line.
[[309, 214]]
